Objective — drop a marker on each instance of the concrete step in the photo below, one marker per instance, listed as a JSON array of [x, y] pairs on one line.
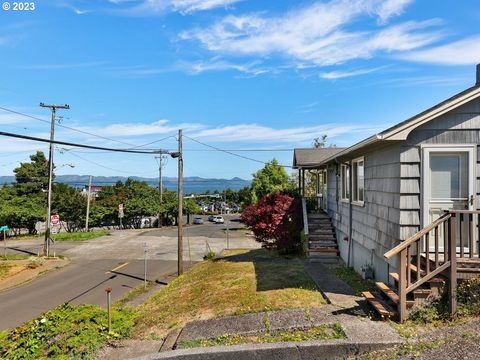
[[323, 242], [320, 230], [323, 251], [317, 236], [319, 221], [322, 246], [318, 216]]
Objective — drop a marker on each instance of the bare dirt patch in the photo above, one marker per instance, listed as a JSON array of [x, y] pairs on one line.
[[17, 272]]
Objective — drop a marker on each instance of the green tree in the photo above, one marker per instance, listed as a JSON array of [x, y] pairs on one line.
[[32, 177], [20, 211], [71, 205], [272, 178]]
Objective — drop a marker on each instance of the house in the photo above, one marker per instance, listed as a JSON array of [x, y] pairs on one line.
[[401, 200], [94, 190]]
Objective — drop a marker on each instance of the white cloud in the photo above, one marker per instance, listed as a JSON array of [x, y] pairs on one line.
[[156, 7], [190, 6], [332, 75], [462, 52], [387, 9], [140, 129], [316, 34], [255, 132]]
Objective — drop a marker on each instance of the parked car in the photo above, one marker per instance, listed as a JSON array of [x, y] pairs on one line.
[[211, 217], [218, 220], [197, 220]]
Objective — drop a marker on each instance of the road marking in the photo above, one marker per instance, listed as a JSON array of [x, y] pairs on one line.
[[118, 267]]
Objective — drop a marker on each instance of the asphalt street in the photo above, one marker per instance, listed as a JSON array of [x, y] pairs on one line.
[[114, 261], [78, 283]]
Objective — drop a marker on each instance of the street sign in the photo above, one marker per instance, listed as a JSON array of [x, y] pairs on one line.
[[120, 211], [120, 207], [4, 228], [54, 230], [54, 220]]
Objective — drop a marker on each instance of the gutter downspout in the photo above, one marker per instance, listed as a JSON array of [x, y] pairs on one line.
[[350, 220]]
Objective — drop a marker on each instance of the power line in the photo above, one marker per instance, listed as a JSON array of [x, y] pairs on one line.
[[100, 165], [33, 138], [74, 129], [232, 153]]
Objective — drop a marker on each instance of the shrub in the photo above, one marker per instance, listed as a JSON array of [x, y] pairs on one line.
[[65, 332], [468, 293], [210, 255], [276, 221]]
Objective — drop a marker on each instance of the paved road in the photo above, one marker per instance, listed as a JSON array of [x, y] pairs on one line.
[[93, 262], [78, 283]]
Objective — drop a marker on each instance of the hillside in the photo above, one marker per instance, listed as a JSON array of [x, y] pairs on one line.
[[192, 184]]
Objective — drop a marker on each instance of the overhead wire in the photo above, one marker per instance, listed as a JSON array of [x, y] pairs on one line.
[[83, 131], [232, 153]]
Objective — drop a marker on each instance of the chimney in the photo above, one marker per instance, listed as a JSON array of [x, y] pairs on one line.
[[478, 75]]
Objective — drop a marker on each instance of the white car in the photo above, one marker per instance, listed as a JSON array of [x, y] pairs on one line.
[[218, 219]]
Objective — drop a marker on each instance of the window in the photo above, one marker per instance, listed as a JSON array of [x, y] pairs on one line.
[[358, 177], [345, 181]]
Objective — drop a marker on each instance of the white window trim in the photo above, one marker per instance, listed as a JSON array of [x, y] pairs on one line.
[[344, 199], [358, 202]]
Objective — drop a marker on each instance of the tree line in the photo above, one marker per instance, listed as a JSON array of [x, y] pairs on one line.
[[23, 203]]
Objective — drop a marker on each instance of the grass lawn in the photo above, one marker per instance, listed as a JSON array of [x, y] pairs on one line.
[[80, 236], [242, 281]]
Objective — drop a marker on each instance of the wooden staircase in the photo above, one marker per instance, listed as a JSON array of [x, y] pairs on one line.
[[429, 260], [322, 242]]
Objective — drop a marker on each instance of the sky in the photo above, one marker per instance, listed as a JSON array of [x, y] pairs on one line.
[[235, 75]]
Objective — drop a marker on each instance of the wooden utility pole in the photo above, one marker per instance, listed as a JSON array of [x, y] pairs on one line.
[[46, 246], [180, 204], [88, 202], [160, 186]]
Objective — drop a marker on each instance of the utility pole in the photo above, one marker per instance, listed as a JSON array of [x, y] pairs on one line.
[[88, 202], [46, 248], [160, 185], [180, 204]]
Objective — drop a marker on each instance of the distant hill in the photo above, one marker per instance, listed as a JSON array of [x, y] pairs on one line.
[[192, 184]]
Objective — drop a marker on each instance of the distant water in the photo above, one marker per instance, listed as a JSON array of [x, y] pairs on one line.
[[190, 184]]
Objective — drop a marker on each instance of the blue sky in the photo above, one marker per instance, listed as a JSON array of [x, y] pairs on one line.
[[235, 74]]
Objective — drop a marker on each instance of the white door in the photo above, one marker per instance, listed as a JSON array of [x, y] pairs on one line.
[[448, 182]]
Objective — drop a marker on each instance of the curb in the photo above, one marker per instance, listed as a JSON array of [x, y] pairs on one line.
[[306, 350]]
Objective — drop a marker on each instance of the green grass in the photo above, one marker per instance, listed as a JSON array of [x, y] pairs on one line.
[[322, 332], [79, 236], [352, 278], [67, 332], [241, 282], [135, 292]]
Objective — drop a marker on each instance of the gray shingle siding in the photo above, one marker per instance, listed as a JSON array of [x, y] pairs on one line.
[[376, 227]]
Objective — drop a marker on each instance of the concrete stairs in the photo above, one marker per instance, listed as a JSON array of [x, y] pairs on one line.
[[322, 242]]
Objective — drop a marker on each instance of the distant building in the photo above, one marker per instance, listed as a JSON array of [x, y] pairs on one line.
[[94, 190]]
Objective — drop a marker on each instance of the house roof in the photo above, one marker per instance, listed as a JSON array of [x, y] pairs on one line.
[[312, 157], [401, 130]]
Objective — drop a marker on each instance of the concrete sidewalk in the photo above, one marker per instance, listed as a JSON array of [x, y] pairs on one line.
[[362, 335]]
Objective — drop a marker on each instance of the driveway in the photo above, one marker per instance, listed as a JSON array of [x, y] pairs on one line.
[[114, 261]]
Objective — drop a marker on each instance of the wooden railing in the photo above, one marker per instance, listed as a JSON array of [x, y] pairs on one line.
[[435, 250]]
